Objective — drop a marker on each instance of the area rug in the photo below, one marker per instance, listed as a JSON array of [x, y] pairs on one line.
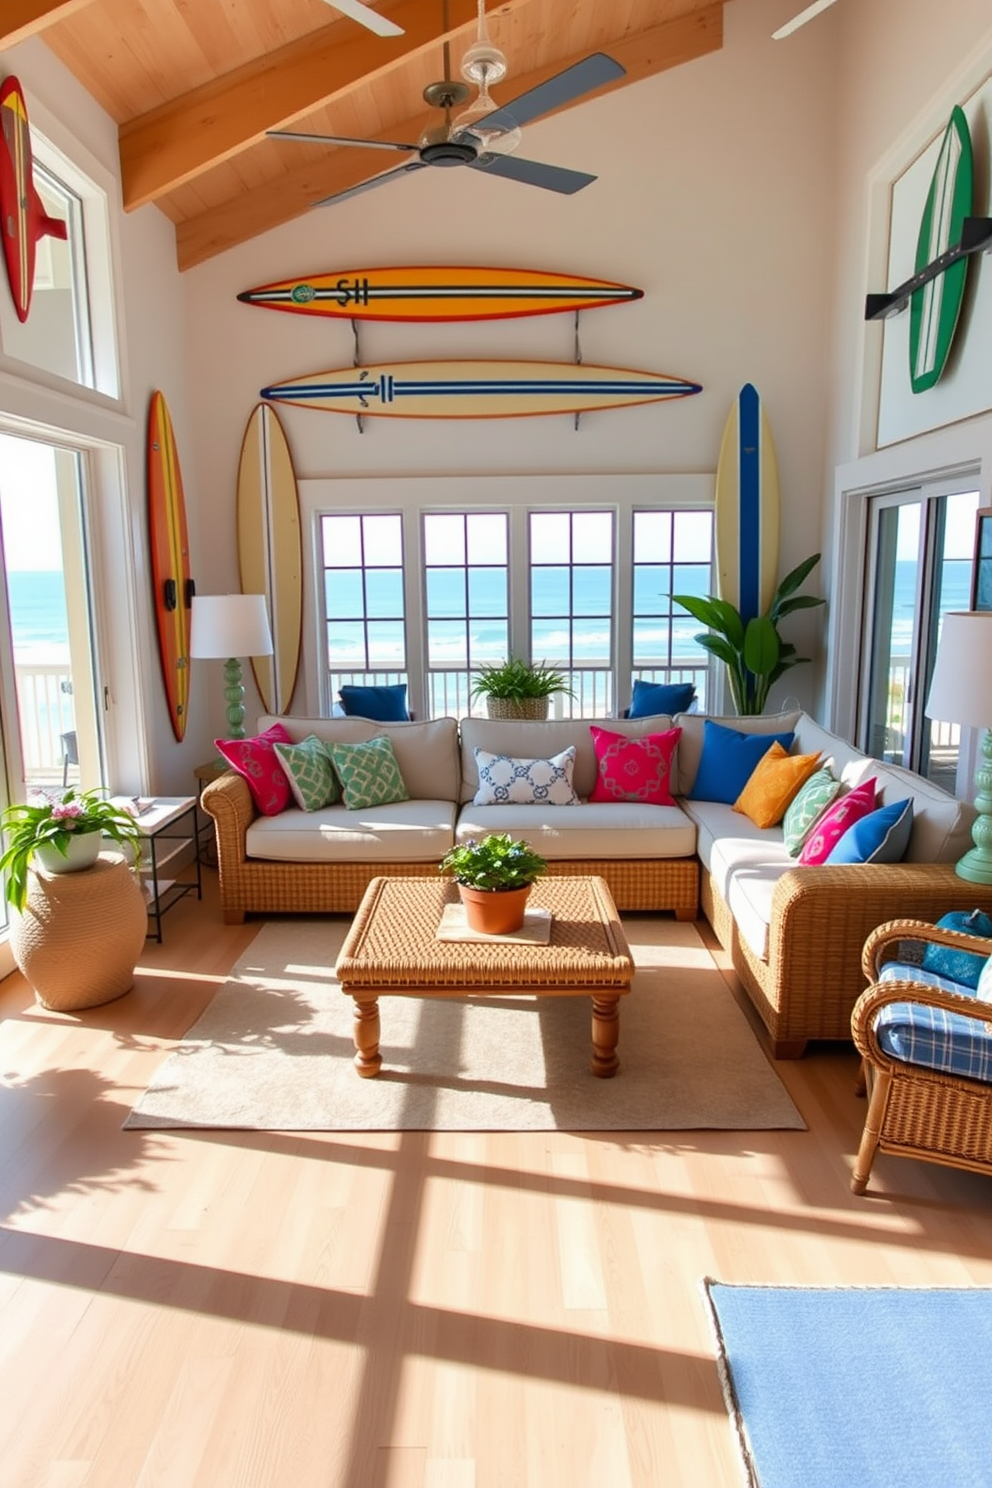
[[273, 1051], [857, 1387]]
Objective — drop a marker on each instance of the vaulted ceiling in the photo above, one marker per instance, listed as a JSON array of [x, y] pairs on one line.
[[195, 84]]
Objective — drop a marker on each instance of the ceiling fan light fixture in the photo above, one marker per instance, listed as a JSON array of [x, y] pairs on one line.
[[484, 63]]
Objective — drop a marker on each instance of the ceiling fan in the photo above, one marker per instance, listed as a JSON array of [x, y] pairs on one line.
[[484, 136], [801, 18], [365, 16]]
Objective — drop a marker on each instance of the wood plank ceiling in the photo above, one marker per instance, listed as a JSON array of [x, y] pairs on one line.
[[194, 85]]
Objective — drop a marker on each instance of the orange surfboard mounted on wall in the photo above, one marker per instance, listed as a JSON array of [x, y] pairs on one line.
[[22, 213], [172, 584]]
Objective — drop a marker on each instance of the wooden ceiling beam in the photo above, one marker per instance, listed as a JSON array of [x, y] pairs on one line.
[[243, 217], [162, 149], [20, 19]]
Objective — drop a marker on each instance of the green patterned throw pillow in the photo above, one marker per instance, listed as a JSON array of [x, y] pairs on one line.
[[805, 807], [369, 773], [310, 773]]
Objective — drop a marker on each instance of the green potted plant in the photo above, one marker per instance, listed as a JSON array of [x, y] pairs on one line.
[[754, 653], [494, 878], [65, 834], [519, 689]]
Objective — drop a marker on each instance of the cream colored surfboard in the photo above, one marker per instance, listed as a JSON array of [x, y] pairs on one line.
[[747, 508], [270, 550]]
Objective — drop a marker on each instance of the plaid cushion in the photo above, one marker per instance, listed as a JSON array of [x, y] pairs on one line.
[[948, 1042]]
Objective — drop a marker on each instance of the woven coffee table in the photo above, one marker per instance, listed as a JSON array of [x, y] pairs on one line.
[[391, 950]]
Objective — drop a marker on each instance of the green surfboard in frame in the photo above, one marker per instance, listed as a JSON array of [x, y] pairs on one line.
[[934, 309]]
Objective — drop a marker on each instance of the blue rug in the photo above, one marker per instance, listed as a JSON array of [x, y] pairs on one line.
[[858, 1387]]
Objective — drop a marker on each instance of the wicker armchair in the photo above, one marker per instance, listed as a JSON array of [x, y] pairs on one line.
[[915, 1111]]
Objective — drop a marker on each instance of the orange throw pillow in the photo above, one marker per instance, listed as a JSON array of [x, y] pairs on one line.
[[776, 778]]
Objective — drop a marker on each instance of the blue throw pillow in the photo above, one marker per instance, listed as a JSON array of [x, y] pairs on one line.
[[959, 966], [382, 704], [728, 761], [880, 837], [660, 697]]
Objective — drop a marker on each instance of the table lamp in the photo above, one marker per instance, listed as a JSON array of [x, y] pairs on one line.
[[231, 626], [961, 692]]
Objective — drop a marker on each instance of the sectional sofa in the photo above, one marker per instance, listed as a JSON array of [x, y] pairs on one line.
[[794, 934]]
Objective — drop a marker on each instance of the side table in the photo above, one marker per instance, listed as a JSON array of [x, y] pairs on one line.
[[169, 820], [79, 936]]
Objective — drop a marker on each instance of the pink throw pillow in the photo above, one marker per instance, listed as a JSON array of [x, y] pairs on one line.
[[634, 769], [258, 762], [834, 822]]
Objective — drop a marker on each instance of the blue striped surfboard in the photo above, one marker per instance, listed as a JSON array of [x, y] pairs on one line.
[[747, 508], [494, 389], [934, 309]]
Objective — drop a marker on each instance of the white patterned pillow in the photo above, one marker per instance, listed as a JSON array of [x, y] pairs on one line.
[[505, 781]]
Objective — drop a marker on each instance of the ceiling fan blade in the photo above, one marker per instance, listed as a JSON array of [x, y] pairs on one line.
[[370, 184], [365, 16], [533, 173], [592, 72], [337, 139], [801, 19]]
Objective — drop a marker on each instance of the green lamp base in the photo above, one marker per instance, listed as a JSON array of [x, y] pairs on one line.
[[976, 865]]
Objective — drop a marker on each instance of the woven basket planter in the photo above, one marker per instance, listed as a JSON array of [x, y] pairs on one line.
[[517, 707]]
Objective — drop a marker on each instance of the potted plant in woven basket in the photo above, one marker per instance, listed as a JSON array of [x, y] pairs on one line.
[[64, 833], [519, 689], [494, 879]]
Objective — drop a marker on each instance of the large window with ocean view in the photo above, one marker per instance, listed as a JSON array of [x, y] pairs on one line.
[[672, 554], [431, 595], [364, 602], [466, 598], [572, 604]]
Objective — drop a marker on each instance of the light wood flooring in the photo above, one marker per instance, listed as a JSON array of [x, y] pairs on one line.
[[400, 1310]]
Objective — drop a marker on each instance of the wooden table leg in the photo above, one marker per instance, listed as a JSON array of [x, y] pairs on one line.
[[368, 1060], [605, 1033]]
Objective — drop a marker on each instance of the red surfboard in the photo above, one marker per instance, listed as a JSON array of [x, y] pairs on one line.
[[173, 587], [24, 219]]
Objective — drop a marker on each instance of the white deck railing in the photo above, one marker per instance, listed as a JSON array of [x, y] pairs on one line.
[[45, 705]]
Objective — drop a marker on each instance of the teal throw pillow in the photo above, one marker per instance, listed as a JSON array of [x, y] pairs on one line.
[[961, 966], [728, 761], [310, 773], [368, 773], [880, 837], [806, 805]]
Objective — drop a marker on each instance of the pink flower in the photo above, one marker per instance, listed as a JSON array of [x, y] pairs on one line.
[[68, 811]]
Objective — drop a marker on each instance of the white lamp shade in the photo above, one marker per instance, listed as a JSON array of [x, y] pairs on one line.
[[961, 687], [226, 625]]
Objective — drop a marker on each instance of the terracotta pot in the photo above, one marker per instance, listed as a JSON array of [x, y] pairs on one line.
[[494, 911]]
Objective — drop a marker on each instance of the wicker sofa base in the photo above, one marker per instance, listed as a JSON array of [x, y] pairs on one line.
[[262, 886], [821, 918]]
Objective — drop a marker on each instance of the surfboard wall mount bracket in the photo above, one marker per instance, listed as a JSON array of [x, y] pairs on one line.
[[976, 237]]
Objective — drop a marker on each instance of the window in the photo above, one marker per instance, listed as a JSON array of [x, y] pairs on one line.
[[70, 330], [466, 603], [920, 547], [672, 554], [571, 604], [365, 612], [430, 595]]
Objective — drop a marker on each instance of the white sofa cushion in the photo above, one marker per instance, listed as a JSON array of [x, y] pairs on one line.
[[614, 829], [531, 739], [427, 753], [406, 832], [745, 863]]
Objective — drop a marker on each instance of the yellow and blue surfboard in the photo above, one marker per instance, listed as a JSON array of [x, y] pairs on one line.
[[747, 508]]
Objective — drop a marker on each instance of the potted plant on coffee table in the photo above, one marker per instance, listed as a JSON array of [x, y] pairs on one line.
[[519, 689], [64, 833], [494, 878]]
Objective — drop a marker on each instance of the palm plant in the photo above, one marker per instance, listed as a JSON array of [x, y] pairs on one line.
[[753, 651]]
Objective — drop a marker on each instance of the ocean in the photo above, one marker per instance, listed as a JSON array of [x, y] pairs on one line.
[[40, 625]]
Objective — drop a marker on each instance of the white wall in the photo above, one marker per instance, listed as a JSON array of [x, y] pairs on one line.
[[150, 295], [713, 196], [903, 64]]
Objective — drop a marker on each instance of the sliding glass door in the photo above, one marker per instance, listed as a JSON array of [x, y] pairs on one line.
[[920, 547]]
